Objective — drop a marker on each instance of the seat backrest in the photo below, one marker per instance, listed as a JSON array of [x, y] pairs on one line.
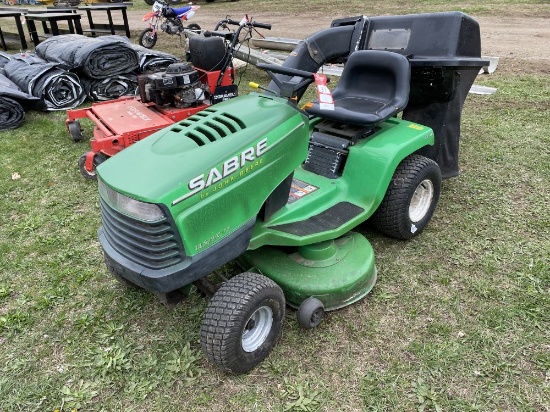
[[373, 87], [375, 74]]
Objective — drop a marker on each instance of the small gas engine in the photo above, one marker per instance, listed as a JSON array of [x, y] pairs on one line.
[[171, 27], [178, 87]]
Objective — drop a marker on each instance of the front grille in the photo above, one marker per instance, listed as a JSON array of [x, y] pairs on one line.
[[153, 245]]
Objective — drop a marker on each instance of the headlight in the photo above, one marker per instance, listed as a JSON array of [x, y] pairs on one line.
[[147, 212]]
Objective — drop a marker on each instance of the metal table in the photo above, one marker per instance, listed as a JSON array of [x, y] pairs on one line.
[[53, 10], [72, 19], [111, 27]]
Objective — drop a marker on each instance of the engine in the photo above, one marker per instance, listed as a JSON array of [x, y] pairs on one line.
[[178, 86], [171, 26]]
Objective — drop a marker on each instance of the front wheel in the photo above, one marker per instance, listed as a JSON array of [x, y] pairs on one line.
[[411, 198], [242, 322], [148, 38], [150, 2], [90, 174]]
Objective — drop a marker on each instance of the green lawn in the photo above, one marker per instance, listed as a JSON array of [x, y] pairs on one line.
[[458, 320]]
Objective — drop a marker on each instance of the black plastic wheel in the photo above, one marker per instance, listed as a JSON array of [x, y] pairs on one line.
[[411, 198], [242, 322], [98, 159], [75, 130], [147, 38], [310, 313]]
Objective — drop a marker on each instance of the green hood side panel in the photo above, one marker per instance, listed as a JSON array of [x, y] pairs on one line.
[[214, 170]]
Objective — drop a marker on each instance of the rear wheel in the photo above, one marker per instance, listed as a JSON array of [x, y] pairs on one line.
[[194, 27], [148, 38], [242, 322], [411, 198]]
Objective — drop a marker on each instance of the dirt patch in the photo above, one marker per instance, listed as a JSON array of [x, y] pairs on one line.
[[519, 41]]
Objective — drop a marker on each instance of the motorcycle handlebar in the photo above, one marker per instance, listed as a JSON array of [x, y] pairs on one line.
[[238, 23], [266, 26]]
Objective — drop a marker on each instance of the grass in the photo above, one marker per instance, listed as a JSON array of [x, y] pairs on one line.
[[458, 320]]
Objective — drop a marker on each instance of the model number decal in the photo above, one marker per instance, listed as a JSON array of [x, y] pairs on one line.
[[228, 167], [213, 239]]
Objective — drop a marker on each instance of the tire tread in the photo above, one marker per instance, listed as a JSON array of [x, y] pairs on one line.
[[225, 312], [389, 217]]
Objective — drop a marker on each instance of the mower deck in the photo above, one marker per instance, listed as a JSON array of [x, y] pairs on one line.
[[312, 270]]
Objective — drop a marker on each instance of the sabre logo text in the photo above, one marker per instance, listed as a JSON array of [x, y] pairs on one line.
[[228, 167]]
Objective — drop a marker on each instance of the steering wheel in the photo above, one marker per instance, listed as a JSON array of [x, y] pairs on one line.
[[288, 88]]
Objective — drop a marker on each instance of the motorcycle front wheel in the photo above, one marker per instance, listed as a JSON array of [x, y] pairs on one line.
[[150, 2], [148, 38]]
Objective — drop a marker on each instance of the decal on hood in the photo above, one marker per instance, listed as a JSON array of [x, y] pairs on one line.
[[226, 169]]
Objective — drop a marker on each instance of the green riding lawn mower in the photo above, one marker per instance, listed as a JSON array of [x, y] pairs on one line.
[[279, 187]]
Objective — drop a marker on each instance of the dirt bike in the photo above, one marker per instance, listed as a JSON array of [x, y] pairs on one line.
[[169, 19]]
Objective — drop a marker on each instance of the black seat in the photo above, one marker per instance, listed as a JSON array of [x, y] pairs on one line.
[[374, 86]]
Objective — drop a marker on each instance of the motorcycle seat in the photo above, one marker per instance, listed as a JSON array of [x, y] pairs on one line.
[[180, 10]]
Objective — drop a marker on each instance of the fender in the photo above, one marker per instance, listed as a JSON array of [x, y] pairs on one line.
[[149, 16]]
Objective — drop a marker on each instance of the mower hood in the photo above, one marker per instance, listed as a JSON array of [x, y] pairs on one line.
[[174, 164]]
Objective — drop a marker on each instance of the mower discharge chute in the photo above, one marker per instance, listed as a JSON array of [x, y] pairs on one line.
[[167, 97], [280, 188]]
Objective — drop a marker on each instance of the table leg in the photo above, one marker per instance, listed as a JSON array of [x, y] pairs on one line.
[[55, 28], [126, 25], [21, 33], [2, 40], [45, 27], [78, 26], [90, 22], [32, 32], [111, 25]]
